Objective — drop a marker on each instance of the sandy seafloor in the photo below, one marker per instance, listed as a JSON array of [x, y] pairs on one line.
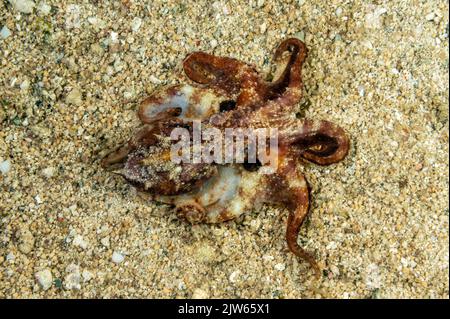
[[71, 78]]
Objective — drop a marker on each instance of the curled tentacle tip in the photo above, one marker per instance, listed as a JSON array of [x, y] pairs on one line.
[[292, 44], [191, 211]]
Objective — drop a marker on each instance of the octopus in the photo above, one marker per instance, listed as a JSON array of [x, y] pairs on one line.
[[226, 93]]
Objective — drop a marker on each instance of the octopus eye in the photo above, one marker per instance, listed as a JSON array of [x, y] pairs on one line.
[[227, 105], [252, 167], [177, 111], [317, 148]]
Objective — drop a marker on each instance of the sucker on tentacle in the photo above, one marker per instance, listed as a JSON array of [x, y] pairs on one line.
[[227, 93]]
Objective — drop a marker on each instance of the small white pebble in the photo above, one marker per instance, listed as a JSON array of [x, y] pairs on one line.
[[114, 36], [105, 241], [146, 252], [72, 281], [334, 270], [361, 90], [255, 224], [87, 275], [102, 229], [79, 241], [404, 262], [128, 95], [154, 80], [24, 6], [234, 275], [117, 258], [73, 209], [338, 11], [44, 278], [38, 199], [25, 85], [48, 172], [225, 10], [44, 8], [73, 268], [373, 278], [280, 267], [73, 278], [374, 19], [263, 28], [430, 16], [119, 65], [92, 20], [10, 257], [367, 44], [136, 24], [300, 35], [213, 43], [4, 32], [5, 167], [331, 245], [181, 285]]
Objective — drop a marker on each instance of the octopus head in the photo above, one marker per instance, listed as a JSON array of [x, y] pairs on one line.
[[145, 162]]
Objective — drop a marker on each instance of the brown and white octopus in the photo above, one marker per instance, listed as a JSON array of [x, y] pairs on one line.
[[227, 93]]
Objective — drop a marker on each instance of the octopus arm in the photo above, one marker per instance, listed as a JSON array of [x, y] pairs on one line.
[[224, 73], [287, 87], [299, 211], [289, 188], [182, 101], [223, 197], [320, 142], [116, 158], [265, 100]]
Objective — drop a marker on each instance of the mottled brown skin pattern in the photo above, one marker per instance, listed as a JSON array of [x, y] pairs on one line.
[[249, 102]]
